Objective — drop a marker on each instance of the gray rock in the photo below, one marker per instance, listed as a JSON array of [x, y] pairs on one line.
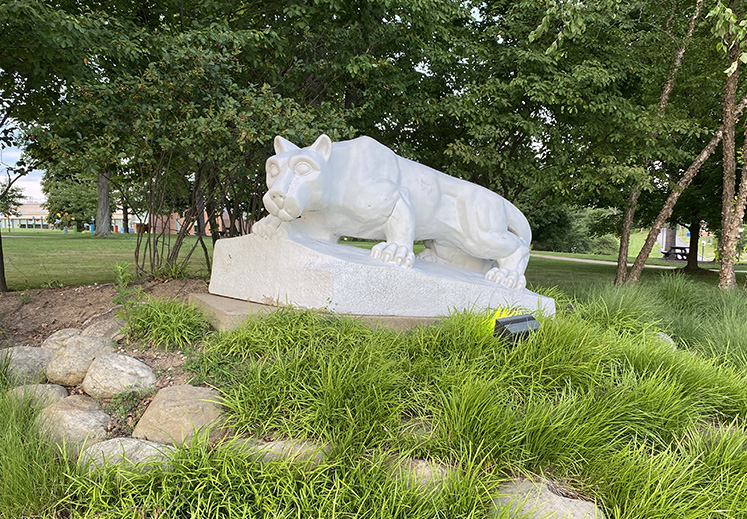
[[129, 453], [111, 374], [419, 428], [43, 395], [309, 454], [70, 363], [59, 338], [110, 328], [75, 421], [424, 474], [537, 501], [27, 364], [177, 413], [666, 339]]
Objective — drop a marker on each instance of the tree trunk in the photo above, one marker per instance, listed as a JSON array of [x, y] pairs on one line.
[[666, 92], [125, 216], [670, 237], [692, 256], [103, 215], [627, 226], [666, 211], [727, 278], [3, 284]]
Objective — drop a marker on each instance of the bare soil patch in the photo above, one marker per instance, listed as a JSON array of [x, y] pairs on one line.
[[29, 317]]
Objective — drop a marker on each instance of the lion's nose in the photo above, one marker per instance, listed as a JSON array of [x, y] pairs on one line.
[[277, 196]]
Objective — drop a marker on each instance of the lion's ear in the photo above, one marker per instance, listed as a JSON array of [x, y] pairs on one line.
[[323, 145], [283, 145]]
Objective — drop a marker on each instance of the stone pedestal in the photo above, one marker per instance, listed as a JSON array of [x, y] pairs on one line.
[[345, 279]]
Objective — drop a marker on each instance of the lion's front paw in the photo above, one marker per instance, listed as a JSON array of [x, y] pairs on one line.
[[268, 227], [392, 252], [509, 278]]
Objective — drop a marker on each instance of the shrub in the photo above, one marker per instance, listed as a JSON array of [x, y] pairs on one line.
[[166, 323]]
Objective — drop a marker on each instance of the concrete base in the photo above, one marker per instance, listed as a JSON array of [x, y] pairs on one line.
[[346, 280], [226, 313]]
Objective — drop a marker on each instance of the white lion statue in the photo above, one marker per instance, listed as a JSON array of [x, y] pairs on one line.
[[361, 188]]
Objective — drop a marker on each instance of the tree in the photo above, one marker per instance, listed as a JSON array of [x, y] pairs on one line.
[[732, 32], [71, 198], [10, 199], [44, 47]]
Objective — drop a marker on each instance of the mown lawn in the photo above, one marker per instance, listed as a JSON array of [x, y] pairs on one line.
[[37, 259], [44, 258]]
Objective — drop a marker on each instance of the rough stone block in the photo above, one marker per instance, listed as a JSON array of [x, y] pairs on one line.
[[75, 421], [112, 374], [348, 280], [537, 501], [110, 328], [177, 413], [43, 395], [130, 453], [59, 338], [309, 454], [27, 364], [70, 363]]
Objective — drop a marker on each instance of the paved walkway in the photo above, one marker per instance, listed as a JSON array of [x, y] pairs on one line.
[[607, 262], [598, 262]]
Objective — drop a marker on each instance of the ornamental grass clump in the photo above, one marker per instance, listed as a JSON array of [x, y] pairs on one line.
[[166, 323], [33, 470]]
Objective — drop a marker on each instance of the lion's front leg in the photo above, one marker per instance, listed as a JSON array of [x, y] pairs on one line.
[[509, 270], [399, 230], [269, 227]]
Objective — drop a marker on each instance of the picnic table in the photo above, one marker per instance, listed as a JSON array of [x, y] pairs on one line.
[[676, 253]]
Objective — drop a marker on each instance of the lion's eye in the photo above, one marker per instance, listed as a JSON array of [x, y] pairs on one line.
[[273, 170], [302, 168]]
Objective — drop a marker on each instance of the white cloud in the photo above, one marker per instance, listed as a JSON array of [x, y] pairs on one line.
[[31, 188]]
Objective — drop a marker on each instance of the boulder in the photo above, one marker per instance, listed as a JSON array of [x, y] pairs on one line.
[[538, 501], [70, 363], [177, 413], [43, 395], [27, 364], [111, 374], [427, 475], [59, 338], [110, 328], [75, 421], [129, 453], [666, 339], [309, 454]]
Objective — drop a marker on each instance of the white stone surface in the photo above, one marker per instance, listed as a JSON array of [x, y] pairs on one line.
[[362, 188], [130, 453], [346, 279], [70, 363], [112, 374], [536, 501], [177, 413], [27, 364], [59, 338], [43, 395]]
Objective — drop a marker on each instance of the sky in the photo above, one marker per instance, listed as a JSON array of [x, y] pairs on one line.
[[31, 183]]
